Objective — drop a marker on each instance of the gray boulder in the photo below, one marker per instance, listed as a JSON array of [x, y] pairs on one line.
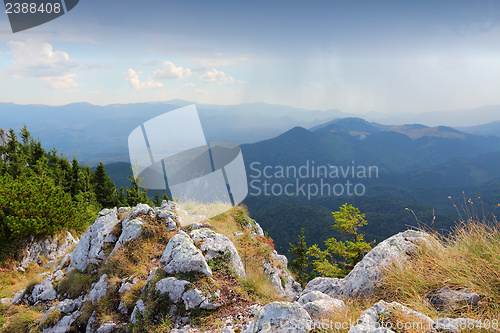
[[366, 274], [51, 248], [172, 286], [99, 290], [139, 307], [4, 138], [320, 305], [181, 256], [107, 327], [139, 209], [90, 248], [451, 299], [281, 317], [213, 244], [326, 285], [64, 325], [194, 297], [131, 229], [43, 291], [280, 278], [370, 320]]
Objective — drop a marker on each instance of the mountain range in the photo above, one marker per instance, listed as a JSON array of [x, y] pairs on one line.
[[418, 167], [105, 129]]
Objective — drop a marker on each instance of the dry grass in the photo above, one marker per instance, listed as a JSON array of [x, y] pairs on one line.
[[21, 319], [469, 257], [208, 210], [252, 251]]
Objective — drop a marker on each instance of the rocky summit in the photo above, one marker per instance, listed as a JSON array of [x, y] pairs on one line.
[[144, 269]]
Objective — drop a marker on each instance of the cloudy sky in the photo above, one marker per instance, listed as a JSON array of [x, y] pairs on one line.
[[357, 56]]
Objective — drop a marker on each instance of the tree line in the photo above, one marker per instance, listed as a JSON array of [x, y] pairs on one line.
[[43, 193]]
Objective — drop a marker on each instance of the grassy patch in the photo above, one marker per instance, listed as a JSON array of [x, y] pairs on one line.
[[76, 283], [52, 318], [468, 257], [21, 319]]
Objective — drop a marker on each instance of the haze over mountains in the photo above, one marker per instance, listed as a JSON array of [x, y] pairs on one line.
[[104, 129]]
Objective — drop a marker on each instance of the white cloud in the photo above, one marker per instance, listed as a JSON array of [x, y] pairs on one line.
[[36, 58], [169, 71], [132, 77], [65, 81], [189, 84], [216, 76], [201, 91]]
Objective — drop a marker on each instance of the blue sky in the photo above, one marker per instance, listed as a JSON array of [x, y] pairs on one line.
[[357, 56]]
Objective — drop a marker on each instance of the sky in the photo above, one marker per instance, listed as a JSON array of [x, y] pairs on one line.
[[398, 57]]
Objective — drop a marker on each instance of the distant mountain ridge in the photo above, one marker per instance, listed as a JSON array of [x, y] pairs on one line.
[[95, 133]]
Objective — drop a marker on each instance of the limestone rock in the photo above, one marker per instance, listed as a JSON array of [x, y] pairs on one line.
[[43, 291], [139, 209], [326, 285], [213, 244], [369, 322], [362, 279], [90, 248], [172, 286], [320, 305], [194, 297], [4, 138], [181, 256], [64, 325], [92, 323], [51, 248], [68, 305], [107, 327], [171, 225], [6, 301], [131, 229], [280, 278], [99, 290], [281, 317], [139, 307], [447, 298]]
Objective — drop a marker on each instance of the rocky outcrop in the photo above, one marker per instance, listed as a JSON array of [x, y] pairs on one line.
[[362, 279], [52, 248], [43, 292], [91, 247], [180, 282], [182, 256], [451, 299], [377, 318], [320, 305], [281, 317], [280, 278], [173, 287], [213, 244], [4, 138]]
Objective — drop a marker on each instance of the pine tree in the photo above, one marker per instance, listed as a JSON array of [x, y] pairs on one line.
[[104, 187], [347, 220], [135, 194], [300, 264]]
